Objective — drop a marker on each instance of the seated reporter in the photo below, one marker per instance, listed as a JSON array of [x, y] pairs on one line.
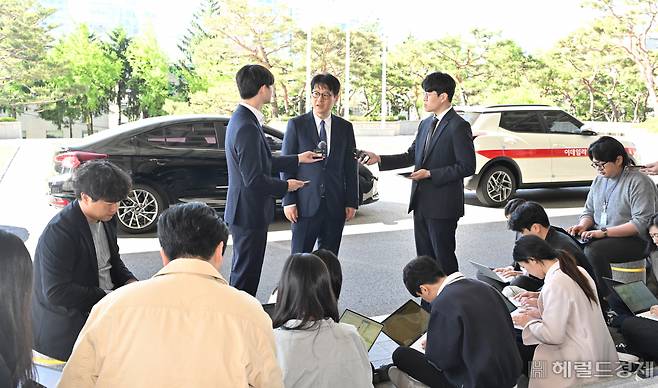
[[470, 337], [619, 205], [313, 348], [184, 327], [570, 327], [641, 334]]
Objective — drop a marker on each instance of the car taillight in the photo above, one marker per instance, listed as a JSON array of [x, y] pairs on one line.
[[59, 202], [75, 158]]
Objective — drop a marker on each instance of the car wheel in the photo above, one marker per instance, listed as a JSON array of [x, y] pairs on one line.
[[140, 211], [496, 186]]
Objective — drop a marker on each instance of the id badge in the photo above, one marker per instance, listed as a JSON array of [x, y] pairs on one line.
[[604, 218]]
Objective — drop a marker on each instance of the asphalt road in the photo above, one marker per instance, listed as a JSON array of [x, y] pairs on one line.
[[375, 248]]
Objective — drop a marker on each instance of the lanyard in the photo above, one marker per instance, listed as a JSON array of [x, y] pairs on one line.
[[606, 194]]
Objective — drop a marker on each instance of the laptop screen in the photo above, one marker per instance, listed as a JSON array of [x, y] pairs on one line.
[[636, 296], [368, 329], [407, 323]]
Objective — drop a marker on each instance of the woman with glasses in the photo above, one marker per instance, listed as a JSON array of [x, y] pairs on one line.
[[313, 348], [641, 334], [16, 368], [619, 205]]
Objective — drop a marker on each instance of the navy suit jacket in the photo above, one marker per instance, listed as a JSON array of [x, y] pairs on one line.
[[251, 188], [66, 280], [450, 158], [337, 176], [470, 337]]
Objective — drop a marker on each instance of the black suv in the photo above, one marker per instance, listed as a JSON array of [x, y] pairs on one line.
[[171, 159]]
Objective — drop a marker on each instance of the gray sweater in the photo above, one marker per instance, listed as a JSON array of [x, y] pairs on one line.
[[631, 196]]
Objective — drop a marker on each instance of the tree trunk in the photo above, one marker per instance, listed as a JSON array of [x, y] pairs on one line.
[[275, 105]]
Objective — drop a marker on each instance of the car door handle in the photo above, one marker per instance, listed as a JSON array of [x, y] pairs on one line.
[[159, 162]]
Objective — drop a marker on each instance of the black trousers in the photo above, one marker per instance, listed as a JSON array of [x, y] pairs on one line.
[[641, 336], [323, 227], [436, 238], [248, 254], [416, 365], [602, 252]]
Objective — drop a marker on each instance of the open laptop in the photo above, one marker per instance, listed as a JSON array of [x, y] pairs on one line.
[[490, 273], [406, 324], [367, 328], [638, 298]]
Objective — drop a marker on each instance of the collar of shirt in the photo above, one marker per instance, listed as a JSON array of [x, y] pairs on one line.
[[191, 266], [259, 116], [439, 116], [295, 322], [327, 127], [449, 280]]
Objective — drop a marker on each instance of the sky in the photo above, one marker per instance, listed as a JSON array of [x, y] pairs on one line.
[[535, 25]]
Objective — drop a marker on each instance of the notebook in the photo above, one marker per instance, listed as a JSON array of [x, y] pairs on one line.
[[488, 272], [638, 298]]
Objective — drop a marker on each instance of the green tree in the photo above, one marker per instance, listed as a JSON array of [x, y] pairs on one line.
[[150, 74], [24, 40], [88, 75], [629, 24], [117, 46]]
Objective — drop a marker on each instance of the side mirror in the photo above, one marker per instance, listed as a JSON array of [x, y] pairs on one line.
[[588, 132]]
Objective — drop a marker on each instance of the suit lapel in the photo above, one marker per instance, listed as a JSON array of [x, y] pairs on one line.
[[439, 130], [314, 135]]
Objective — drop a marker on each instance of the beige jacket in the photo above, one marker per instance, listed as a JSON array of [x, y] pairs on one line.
[[185, 327], [573, 342]]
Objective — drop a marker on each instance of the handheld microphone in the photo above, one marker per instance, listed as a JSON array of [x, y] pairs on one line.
[[321, 149]]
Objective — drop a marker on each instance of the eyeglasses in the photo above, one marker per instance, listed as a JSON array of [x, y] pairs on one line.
[[317, 94], [428, 93], [599, 165], [653, 235]]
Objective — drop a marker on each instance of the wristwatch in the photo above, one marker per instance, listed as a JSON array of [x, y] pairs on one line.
[[605, 231]]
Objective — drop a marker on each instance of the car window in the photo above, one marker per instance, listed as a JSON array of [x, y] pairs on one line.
[[184, 135], [221, 133], [521, 122], [561, 122]]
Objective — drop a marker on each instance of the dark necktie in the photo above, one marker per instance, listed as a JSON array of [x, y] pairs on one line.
[[430, 133], [323, 132]]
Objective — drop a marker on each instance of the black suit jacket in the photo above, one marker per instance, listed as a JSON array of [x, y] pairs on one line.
[[470, 337], [66, 279], [450, 158], [251, 188], [337, 176]]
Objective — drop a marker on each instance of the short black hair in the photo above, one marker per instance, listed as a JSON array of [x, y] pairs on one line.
[[419, 271], [527, 214], [328, 80], [335, 271], [512, 205], [607, 149], [101, 180], [191, 230], [250, 78], [440, 83]]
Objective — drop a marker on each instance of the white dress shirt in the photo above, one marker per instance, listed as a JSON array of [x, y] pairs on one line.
[[259, 115]]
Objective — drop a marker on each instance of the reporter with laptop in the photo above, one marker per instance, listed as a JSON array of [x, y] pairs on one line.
[[470, 337], [641, 334], [313, 348], [570, 327]]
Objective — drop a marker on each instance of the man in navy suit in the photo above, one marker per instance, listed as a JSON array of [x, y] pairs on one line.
[[443, 155], [251, 188], [320, 210]]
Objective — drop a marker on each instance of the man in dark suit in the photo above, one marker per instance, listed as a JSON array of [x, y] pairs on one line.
[[443, 155], [251, 187], [470, 336], [76, 262], [320, 210]]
